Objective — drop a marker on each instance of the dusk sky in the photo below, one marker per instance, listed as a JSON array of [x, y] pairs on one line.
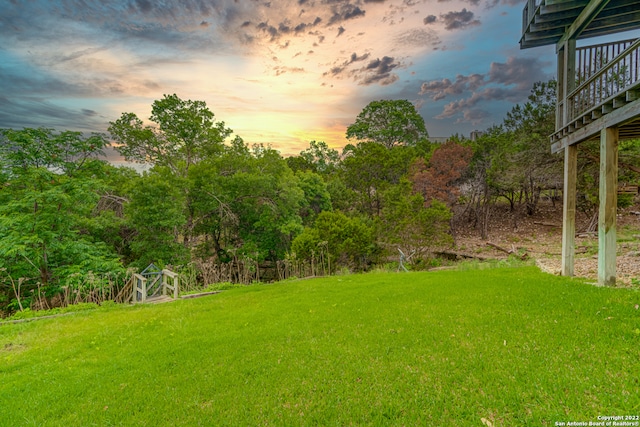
[[276, 72]]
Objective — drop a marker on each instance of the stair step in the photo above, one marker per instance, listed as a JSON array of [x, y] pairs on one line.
[[158, 299]]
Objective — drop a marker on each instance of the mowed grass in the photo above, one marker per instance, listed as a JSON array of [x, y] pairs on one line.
[[513, 346]]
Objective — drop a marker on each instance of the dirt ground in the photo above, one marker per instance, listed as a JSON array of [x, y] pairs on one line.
[[540, 237]]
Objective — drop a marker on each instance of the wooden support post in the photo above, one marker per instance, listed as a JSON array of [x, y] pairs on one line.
[[139, 285], [144, 290], [569, 209], [566, 82], [176, 287], [608, 206]]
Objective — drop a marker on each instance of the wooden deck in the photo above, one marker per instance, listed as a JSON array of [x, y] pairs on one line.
[[546, 22], [598, 99], [618, 113]]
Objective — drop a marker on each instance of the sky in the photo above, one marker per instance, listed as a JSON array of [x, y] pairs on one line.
[[279, 72]]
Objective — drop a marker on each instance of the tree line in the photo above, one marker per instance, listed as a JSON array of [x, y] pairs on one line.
[[72, 225]]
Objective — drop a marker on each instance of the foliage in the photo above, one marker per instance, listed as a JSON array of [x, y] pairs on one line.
[[248, 203], [316, 195], [47, 203], [430, 348], [343, 198], [66, 152], [155, 211], [368, 169], [349, 241], [489, 165], [317, 158], [41, 228], [407, 224], [440, 178], [629, 161], [221, 204], [389, 123], [185, 132], [529, 127]]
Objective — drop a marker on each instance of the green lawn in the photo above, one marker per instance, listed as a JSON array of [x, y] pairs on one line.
[[513, 346]]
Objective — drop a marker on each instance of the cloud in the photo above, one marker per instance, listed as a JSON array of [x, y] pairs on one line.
[[430, 19], [474, 116], [471, 2], [344, 12], [279, 70], [378, 71], [26, 112], [284, 28], [459, 20], [418, 37], [439, 89], [462, 105], [89, 113], [493, 3], [107, 57], [268, 29], [339, 69], [509, 81], [79, 54], [144, 6], [522, 72]]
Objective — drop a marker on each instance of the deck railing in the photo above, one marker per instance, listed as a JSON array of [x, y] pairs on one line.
[[165, 280], [603, 72], [528, 13]]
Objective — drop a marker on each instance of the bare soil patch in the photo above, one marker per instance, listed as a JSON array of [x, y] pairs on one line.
[[540, 236]]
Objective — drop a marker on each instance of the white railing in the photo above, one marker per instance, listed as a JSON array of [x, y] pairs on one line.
[[169, 281], [173, 277]]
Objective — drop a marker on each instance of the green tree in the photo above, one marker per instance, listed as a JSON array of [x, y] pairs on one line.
[[389, 123], [343, 197], [324, 159], [350, 242], [43, 237], [247, 202], [318, 158], [369, 168], [155, 212], [407, 224], [50, 185], [316, 195], [529, 126], [67, 152], [486, 174], [185, 132]]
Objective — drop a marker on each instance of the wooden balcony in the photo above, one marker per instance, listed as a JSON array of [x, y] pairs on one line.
[[607, 83], [598, 98], [545, 22]]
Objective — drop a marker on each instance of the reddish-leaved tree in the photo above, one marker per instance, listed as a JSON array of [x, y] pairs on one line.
[[438, 180]]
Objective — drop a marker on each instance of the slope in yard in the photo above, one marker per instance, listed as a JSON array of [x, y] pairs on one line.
[[512, 346]]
